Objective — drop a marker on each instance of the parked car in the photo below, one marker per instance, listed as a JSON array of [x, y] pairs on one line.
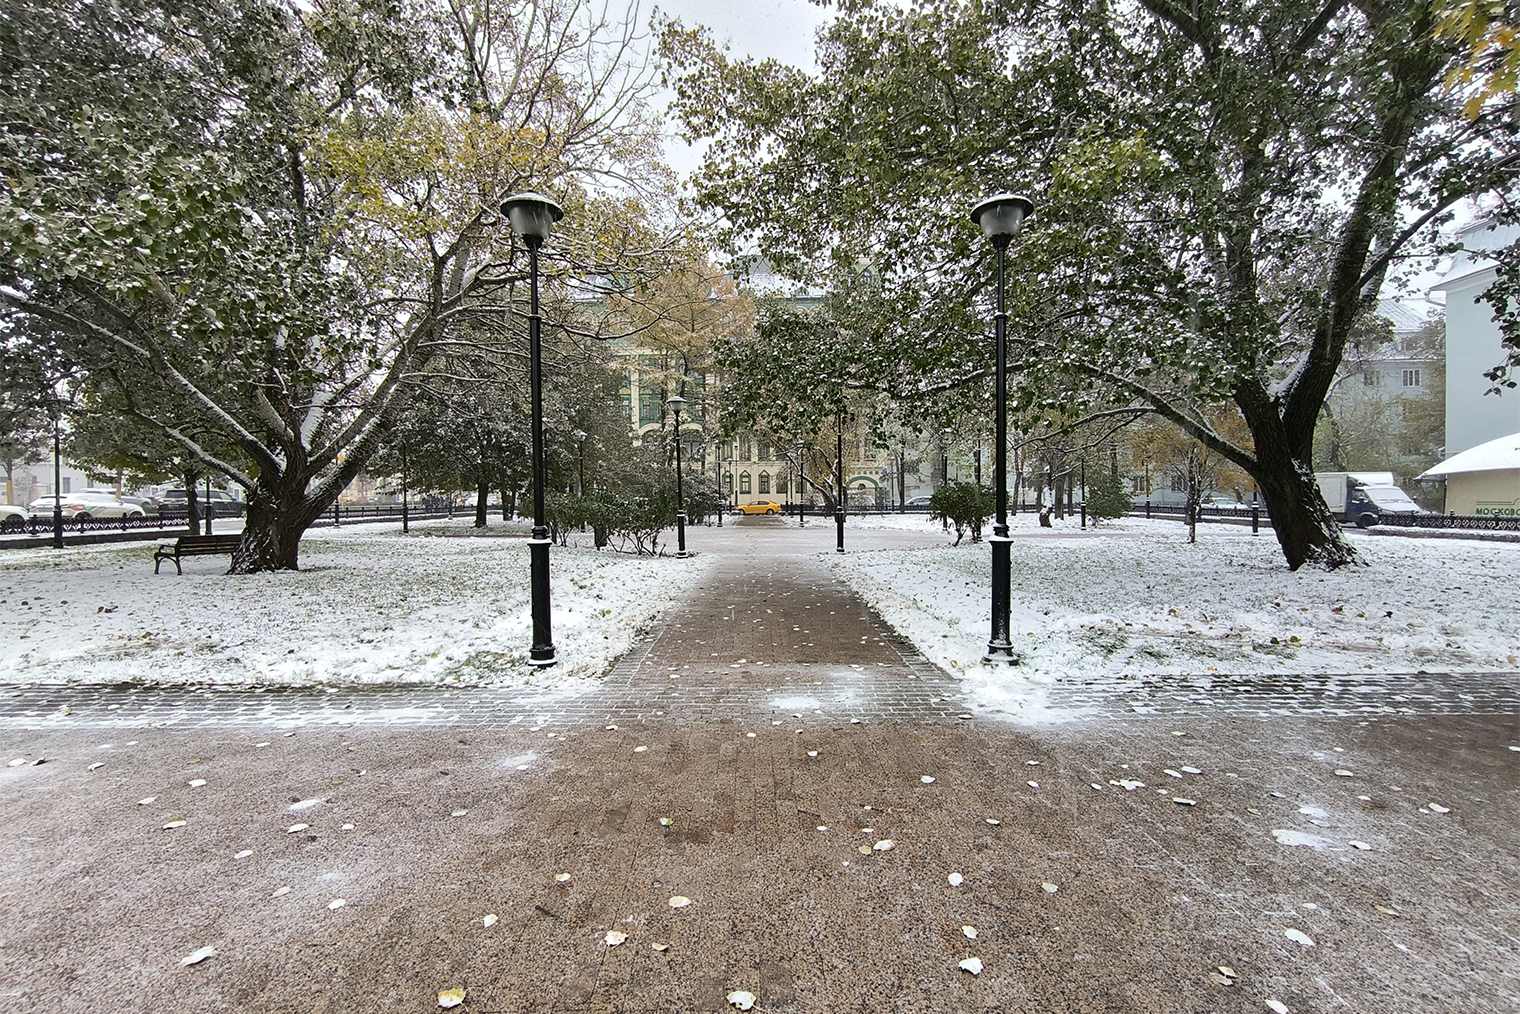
[[222, 505], [919, 501], [145, 503], [759, 507], [84, 506], [12, 518]]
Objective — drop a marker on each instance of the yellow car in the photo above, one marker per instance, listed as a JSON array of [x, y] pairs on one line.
[[759, 507]]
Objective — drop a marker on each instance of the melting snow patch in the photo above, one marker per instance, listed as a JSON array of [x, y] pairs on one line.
[[1287, 836]]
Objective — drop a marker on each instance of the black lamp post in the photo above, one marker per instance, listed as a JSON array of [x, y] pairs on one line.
[[801, 485], [532, 217], [405, 519], [676, 403], [57, 486], [580, 473], [1001, 217], [944, 449], [839, 487]]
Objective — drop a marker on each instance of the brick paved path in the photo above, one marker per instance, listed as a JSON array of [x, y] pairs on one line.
[[162, 822]]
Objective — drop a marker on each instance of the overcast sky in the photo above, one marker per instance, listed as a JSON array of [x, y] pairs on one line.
[[782, 29]]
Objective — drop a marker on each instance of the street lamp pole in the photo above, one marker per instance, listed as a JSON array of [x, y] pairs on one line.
[[1000, 218], [839, 488], [405, 521], [676, 402], [57, 486], [532, 217]]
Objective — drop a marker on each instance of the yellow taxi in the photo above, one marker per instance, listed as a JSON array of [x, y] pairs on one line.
[[759, 507]]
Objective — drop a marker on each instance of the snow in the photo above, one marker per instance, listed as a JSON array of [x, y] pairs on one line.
[[1133, 598], [1496, 455], [443, 605]]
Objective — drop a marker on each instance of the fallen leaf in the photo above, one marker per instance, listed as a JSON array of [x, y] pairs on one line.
[[243, 854], [659, 947], [1344, 773], [488, 921], [969, 931], [145, 802], [295, 828], [280, 892], [1049, 887], [812, 753], [196, 783], [97, 764], [741, 999], [1385, 910], [459, 813], [1360, 846], [1192, 771], [562, 877], [926, 779], [956, 879], [1277, 1007], [1227, 970], [885, 845], [1128, 784], [864, 850], [679, 901], [1277, 794], [972, 965], [17, 762], [665, 822], [615, 937], [1299, 937], [1033, 784], [1223, 980], [854, 721], [450, 997], [1031, 764], [640, 749], [198, 955], [175, 823], [1184, 802], [336, 903], [1174, 774], [994, 822], [1437, 808]]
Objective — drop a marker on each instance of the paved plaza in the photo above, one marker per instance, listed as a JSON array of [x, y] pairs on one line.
[[1210, 844]]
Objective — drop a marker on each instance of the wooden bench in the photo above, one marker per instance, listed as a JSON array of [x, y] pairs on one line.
[[193, 545]]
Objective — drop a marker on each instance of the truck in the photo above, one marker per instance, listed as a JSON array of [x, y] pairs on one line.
[[1364, 497]]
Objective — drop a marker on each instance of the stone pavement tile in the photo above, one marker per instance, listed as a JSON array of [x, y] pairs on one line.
[[102, 902]]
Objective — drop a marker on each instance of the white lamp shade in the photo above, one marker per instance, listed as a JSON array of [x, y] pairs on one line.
[[1002, 214], [676, 402], [532, 215]]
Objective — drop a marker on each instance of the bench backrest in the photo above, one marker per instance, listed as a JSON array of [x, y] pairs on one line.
[[208, 541]]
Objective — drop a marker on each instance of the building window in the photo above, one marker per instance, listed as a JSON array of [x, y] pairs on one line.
[[1411, 378], [743, 483], [765, 482], [66, 482], [1372, 379], [781, 483], [744, 449], [1176, 484], [728, 481], [649, 407]]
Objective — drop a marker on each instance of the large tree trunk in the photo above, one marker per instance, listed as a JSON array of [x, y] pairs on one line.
[[1305, 530], [482, 490], [277, 518]]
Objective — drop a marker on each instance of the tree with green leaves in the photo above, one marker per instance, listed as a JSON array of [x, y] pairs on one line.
[[1107, 497], [964, 505], [287, 216], [1221, 192]]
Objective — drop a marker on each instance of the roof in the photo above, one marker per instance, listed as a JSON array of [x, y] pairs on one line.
[[1494, 456], [1477, 240], [1406, 315]]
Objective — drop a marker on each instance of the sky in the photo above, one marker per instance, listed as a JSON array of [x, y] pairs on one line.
[[780, 29]]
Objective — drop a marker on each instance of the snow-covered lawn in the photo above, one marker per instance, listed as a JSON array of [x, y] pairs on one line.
[[1133, 598], [442, 605]]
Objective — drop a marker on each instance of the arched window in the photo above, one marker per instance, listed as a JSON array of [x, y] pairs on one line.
[[743, 483], [765, 482]]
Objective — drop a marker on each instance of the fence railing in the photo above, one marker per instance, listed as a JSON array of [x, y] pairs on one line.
[[1467, 521]]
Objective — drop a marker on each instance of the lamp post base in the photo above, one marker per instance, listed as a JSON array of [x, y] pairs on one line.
[[839, 529], [999, 647], [681, 535], [542, 652]]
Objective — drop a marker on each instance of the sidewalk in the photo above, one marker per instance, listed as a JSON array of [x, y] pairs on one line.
[[770, 732]]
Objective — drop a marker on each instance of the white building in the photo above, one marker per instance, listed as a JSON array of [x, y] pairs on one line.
[[1473, 416], [1482, 481]]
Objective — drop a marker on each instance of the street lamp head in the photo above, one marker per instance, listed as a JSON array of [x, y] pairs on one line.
[[579, 435], [676, 403], [1002, 216], [532, 216]]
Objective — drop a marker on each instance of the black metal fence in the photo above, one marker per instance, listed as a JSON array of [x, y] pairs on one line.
[[1470, 522]]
